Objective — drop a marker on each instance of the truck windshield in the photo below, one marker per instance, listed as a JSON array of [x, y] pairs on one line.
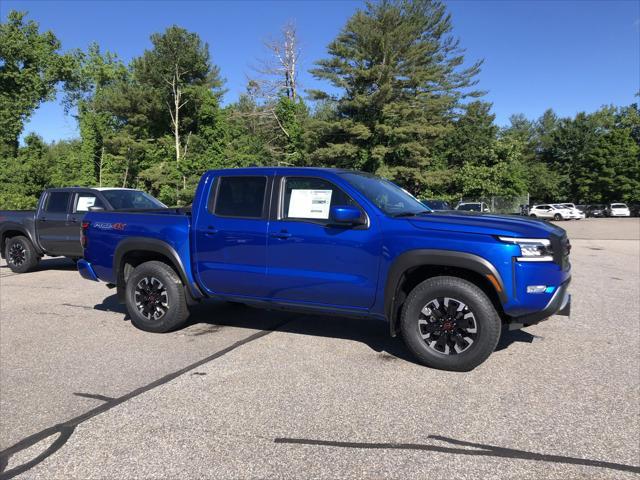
[[387, 196], [131, 199]]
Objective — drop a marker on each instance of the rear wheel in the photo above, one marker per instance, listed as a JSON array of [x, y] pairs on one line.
[[533, 215], [20, 254], [155, 298], [449, 323], [557, 217]]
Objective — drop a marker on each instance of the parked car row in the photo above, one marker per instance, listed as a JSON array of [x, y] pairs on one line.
[[552, 211], [444, 206]]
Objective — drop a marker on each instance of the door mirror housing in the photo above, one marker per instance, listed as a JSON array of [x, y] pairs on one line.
[[346, 215]]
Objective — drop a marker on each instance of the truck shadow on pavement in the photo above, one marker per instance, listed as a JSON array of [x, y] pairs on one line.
[[373, 333], [57, 263]]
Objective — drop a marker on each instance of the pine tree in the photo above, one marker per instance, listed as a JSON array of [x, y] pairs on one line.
[[401, 77]]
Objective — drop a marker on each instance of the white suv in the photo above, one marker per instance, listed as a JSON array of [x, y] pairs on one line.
[[551, 211], [618, 210], [575, 213]]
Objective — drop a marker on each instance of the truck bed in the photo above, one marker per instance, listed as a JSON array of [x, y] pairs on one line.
[[107, 231]]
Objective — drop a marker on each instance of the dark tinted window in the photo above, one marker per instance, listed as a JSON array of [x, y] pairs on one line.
[[57, 202], [470, 207], [241, 197], [311, 198]]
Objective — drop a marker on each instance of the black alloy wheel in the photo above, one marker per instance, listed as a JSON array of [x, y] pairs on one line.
[[448, 326], [17, 254], [20, 254], [151, 298]]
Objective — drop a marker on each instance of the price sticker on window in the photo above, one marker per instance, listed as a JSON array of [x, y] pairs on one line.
[[310, 204]]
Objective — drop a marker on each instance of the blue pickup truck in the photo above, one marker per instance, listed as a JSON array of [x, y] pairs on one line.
[[335, 242]]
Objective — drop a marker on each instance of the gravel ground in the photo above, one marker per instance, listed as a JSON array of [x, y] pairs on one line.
[[243, 393]]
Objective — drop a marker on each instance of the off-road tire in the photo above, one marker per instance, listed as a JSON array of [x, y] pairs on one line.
[[486, 318], [144, 284], [20, 254]]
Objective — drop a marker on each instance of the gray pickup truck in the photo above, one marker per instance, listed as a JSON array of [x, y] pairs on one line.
[[54, 227]]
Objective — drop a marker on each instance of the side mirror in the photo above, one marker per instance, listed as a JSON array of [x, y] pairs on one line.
[[346, 215], [96, 209]]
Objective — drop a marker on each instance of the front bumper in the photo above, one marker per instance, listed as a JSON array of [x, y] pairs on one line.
[[86, 270], [559, 304]]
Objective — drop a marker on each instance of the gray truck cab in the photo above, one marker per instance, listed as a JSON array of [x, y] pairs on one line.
[[54, 227]]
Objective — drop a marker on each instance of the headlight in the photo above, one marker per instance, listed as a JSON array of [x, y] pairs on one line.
[[532, 249]]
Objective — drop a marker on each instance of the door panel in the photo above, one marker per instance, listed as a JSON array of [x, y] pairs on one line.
[[52, 223], [231, 238], [314, 261]]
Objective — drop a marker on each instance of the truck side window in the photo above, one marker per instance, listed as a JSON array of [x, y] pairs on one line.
[[57, 202], [86, 200], [310, 198], [240, 197]]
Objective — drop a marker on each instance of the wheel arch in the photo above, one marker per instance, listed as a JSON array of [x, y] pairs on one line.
[[134, 251], [11, 230], [415, 266]]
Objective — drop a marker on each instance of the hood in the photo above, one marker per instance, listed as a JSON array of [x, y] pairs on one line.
[[484, 224]]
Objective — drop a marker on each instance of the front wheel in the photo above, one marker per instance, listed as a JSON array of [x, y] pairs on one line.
[[557, 217], [155, 298], [533, 215], [20, 254], [449, 323]]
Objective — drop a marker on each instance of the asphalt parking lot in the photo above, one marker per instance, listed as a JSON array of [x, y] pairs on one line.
[[243, 393]]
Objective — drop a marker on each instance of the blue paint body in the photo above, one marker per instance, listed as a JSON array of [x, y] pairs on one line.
[[306, 264]]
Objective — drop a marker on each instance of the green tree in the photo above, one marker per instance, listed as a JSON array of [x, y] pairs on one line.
[[30, 68], [401, 77], [473, 140], [23, 178], [90, 80]]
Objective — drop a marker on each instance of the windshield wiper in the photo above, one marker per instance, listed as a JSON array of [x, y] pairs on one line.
[[411, 214]]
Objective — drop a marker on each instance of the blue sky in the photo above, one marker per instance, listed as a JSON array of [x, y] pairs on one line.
[[568, 55]]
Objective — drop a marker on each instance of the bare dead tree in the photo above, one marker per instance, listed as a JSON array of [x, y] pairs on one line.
[[277, 74], [175, 82], [178, 104], [275, 77]]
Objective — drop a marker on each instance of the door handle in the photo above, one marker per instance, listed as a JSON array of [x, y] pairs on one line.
[[281, 235], [211, 231]]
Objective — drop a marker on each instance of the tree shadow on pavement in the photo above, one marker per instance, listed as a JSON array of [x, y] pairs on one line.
[[471, 449]]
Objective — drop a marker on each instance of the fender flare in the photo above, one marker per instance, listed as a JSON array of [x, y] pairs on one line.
[[156, 246], [8, 226], [444, 258]]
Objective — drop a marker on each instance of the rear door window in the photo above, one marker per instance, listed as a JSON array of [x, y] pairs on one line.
[[241, 197], [57, 202]]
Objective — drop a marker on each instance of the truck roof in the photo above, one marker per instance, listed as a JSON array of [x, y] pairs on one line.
[[261, 169], [100, 189]]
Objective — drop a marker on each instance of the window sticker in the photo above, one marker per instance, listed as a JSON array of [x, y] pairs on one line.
[[84, 203], [310, 204]]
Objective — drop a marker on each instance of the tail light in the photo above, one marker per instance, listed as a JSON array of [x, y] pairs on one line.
[[84, 240]]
